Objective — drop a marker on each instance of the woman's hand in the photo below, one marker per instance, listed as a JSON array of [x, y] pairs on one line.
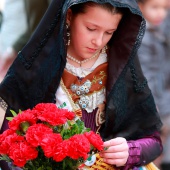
[[117, 152]]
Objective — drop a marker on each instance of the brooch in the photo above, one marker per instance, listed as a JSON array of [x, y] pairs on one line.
[[81, 91]]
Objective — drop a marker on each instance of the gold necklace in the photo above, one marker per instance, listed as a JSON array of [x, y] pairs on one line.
[[81, 62]]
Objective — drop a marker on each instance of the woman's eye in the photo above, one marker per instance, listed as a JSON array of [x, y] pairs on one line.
[[91, 29], [109, 33]]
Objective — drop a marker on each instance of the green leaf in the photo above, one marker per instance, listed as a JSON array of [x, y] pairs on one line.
[[9, 118], [13, 113], [5, 158]]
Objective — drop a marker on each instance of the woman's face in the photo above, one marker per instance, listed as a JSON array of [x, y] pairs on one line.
[[91, 31]]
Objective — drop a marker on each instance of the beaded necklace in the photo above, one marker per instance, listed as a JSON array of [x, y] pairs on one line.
[[81, 62]]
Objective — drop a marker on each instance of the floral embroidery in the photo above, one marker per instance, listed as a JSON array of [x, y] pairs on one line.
[[102, 74]]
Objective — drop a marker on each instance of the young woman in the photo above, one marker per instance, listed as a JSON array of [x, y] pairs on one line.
[[83, 57]]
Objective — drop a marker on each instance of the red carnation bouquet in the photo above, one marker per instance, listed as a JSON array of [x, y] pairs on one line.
[[47, 138]]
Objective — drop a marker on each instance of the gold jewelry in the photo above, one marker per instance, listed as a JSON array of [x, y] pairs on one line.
[[81, 62], [68, 34]]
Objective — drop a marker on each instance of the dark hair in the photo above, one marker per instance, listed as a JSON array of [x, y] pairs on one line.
[[81, 8]]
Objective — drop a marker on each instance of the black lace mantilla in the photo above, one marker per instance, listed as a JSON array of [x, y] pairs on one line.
[[3, 104]]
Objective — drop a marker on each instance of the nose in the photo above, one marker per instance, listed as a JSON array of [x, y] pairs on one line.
[[98, 40]]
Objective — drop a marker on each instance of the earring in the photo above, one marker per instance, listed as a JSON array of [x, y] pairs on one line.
[[68, 34], [104, 49]]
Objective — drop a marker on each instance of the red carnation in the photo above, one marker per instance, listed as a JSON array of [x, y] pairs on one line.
[[61, 151], [45, 107], [80, 147], [69, 115], [95, 140], [20, 152], [35, 133], [50, 113], [6, 134], [53, 117], [9, 137], [24, 116], [49, 143]]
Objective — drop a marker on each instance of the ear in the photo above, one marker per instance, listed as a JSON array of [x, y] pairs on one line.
[[69, 16]]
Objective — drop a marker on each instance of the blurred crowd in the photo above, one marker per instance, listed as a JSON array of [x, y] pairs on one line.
[[18, 20]]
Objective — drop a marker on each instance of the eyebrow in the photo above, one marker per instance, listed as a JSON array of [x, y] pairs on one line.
[[99, 26]]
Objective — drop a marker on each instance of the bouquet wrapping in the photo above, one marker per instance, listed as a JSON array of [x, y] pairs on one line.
[[48, 138]]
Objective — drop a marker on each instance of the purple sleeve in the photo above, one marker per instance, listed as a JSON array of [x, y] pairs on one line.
[[143, 151]]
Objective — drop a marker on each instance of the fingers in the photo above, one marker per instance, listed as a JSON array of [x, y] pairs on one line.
[[117, 152], [116, 145], [116, 155], [118, 159], [117, 148], [115, 141]]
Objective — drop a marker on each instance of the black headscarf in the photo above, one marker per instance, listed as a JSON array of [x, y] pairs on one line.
[[35, 74]]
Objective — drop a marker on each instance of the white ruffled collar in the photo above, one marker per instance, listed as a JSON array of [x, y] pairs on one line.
[[82, 72]]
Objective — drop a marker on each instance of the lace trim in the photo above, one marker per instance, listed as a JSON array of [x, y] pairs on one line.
[[74, 106], [138, 87], [3, 104]]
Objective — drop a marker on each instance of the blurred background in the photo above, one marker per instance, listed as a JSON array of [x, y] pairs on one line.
[[19, 18]]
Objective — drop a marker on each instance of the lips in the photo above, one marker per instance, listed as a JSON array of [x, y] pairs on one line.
[[92, 50]]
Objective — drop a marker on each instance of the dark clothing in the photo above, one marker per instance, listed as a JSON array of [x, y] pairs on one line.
[[165, 166], [35, 75]]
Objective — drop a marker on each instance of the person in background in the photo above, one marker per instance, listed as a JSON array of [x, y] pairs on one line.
[[154, 60], [10, 43]]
